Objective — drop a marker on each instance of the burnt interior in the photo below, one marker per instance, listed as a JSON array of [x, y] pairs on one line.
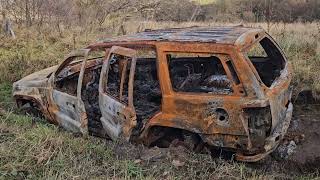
[[146, 92], [90, 97], [117, 65], [269, 67], [67, 78], [198, 74], [67, 82]]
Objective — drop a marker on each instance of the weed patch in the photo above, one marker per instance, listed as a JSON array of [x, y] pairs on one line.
[[33, 149]]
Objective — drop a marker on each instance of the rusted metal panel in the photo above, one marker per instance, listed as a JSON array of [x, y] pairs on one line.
[[68, 110], [223, 35], [221, 120]]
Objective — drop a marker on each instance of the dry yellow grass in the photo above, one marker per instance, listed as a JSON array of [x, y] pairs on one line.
[[203, 2], [41, 151], [32, 51]]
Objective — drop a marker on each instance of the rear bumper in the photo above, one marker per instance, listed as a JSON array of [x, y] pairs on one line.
[[272, 141]]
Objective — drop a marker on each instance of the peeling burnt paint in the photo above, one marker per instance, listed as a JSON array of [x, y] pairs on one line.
[[217, 93]]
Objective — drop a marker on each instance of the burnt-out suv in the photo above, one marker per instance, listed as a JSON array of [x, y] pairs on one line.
[[217, 87]]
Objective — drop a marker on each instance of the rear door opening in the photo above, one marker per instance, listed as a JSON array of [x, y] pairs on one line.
[[146, 93], [129, 90]]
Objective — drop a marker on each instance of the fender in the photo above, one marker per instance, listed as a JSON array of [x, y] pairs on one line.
[[42, 107]]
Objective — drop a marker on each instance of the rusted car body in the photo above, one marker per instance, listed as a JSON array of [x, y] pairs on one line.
[[197, 84]]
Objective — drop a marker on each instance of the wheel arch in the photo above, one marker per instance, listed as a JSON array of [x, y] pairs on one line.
[[21, 100], [158, 121]]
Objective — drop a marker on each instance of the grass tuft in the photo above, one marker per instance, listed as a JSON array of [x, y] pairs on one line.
[[30, 150]]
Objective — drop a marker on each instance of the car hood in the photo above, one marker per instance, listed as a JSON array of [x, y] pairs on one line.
[[36, 79]]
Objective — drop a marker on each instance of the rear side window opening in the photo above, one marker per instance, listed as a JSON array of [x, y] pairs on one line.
[[267, 59], [198, 73]]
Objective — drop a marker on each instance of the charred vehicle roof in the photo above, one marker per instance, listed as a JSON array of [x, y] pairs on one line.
[[207, 87], [222, 35]]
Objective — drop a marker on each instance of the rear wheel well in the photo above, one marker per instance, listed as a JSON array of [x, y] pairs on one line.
[[164, 137]]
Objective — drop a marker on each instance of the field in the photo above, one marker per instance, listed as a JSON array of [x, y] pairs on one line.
[[204, 1], [31, 148]]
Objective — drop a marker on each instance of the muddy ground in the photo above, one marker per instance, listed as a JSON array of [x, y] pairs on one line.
[[298, 154]]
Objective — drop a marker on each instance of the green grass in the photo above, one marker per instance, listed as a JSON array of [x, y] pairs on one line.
[[42, 151], [38, 151], [5, 95], [31, 148]]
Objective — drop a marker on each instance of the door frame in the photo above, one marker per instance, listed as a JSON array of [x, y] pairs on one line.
[[79, 123], [171, 114], [118, 118]]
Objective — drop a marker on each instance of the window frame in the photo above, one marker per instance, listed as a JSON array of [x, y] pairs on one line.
[[223, 57], [252, 67], [82, 53], [104, 76], [135, 48]]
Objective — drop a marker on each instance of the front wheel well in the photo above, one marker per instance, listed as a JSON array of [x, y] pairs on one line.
[[20, 102], [29, 106]]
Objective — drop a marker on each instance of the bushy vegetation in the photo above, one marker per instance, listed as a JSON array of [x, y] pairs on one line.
[[45, 32], [60, 13], [36, 150], [32, 51]]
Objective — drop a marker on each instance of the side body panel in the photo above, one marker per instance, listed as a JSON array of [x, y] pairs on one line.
[[70, 111], [197, 112]]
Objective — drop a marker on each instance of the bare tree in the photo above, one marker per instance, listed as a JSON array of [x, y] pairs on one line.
[[28, 15], [7, 26], [89, 14]]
